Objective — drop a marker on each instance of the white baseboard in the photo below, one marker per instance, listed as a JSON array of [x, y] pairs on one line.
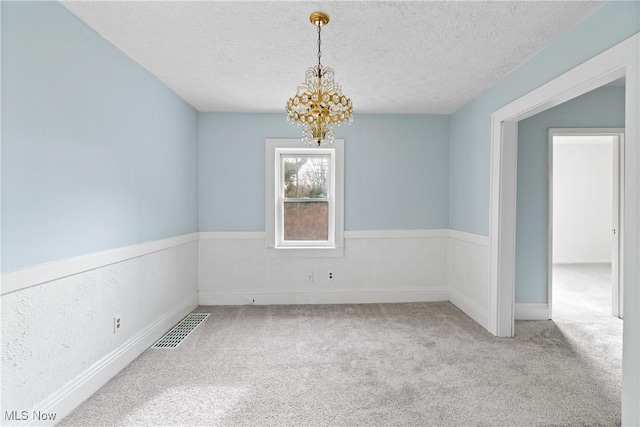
[[74, 393], [531, 311], [469, 308], [360, 296], [583, 261]]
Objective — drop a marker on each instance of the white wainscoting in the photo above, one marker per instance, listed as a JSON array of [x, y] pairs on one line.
[[58, 342], [39, 274], [469, 274], [378, 266], [57, 331]]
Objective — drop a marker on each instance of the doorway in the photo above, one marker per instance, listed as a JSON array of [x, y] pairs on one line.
[[618, 61], [585, 205]]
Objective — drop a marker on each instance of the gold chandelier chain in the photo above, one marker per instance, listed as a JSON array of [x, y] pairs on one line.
[[319, 52]]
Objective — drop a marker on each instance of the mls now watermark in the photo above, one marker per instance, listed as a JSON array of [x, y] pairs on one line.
[[29, 415]]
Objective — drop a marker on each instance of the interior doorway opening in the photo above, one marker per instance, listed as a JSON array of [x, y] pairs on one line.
[[585, 207], [618, 61]]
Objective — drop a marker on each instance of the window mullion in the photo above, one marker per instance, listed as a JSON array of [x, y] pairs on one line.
[[309, 200]]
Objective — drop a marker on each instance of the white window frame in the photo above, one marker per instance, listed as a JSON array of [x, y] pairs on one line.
[[281, 154], [275, 149]]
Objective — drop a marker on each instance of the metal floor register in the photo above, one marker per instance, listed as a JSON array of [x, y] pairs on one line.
[[178, 333]]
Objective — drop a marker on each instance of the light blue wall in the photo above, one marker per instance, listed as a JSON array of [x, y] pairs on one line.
[[96, 152], [603, 107], [396, 170], [471, 125]]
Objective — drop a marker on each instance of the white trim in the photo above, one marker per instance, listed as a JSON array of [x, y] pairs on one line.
[[502, 217], [298, 151], [43, 273], [583, 143], [346, 296], [357, 234], [465, 236], [397, 234], [84, 385], [232, 235], [550, 205], [469, 308], [618, 258], [616, 62], [585, 131], [274, 242], [531, 311], [583, 261]]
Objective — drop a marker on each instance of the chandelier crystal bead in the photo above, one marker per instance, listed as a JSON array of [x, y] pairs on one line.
[[319, 103]]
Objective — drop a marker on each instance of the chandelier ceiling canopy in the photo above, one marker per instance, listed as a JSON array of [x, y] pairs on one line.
[[319, 103]]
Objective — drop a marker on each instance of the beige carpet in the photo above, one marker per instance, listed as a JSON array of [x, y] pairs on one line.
[[373, 364]]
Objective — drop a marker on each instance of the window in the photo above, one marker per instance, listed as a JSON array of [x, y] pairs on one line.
[[304, 201]]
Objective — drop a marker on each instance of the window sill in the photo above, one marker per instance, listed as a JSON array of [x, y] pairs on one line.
[[293, 252]]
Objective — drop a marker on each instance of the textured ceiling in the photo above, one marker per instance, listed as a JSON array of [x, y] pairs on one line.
[[389, 57]]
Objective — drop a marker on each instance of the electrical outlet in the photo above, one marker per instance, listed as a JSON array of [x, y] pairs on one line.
[[310, 276], [117, 323], [331, 275]]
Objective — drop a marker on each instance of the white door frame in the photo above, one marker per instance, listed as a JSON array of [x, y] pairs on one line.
[[612, 64], [617, 211]]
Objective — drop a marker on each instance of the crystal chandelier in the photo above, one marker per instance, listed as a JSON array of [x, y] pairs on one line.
[[319, 103]]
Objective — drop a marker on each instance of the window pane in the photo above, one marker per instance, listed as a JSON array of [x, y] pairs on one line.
[[306, 221], [305, 177]]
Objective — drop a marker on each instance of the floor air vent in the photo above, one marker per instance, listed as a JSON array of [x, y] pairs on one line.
[[175, 336]]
